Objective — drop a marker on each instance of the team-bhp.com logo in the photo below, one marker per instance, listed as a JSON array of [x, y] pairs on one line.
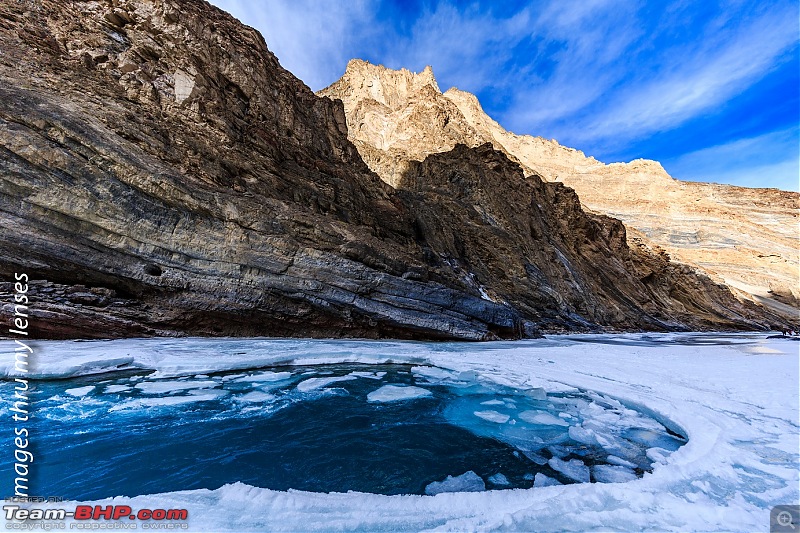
[[150, 518]]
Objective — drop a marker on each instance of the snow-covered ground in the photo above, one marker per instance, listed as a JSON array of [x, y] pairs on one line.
[[734, 396]]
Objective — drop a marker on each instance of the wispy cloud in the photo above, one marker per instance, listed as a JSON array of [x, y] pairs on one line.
[[466, 47], [605, 76], [696, 80], [313, 39], [768, 160], [586, 43], [627, 77]]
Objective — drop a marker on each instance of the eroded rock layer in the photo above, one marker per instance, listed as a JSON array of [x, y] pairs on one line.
[[161, 174], [745, 238]]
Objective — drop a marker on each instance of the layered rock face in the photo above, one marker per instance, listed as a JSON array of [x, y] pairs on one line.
[[162, 174], [745, 238]]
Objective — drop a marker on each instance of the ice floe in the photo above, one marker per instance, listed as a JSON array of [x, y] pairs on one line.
[[612, 474], [255, 396], [111, 389], [573, 469], [542, 480], [542, 418], [492, 416], [269, 377], [368, 375], [466, 482], [164, 401], [161, 387], [499, 480], [80, 391], [317, 383], [395, 393]]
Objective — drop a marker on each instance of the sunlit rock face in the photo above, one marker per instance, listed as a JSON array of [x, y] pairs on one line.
[[745, 238], [162, 174]]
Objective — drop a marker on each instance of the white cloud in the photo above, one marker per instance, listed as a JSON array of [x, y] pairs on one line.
[[622, 80], [313, 39], [599, 74], [587, 43], [768, 160], [697, 80], [466, 47]]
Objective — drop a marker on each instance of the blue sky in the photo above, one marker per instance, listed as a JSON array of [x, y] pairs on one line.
[[708, 88]]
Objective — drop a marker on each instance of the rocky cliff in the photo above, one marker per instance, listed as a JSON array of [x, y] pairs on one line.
[[745, 238], [160, 173]]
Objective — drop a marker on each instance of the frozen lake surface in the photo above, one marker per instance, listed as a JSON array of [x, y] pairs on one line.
[[536, 416]]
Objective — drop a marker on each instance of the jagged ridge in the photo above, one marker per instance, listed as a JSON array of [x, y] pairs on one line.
[[746, 238]]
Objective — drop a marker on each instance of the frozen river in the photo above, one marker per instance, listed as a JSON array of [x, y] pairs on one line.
[[569, 433]]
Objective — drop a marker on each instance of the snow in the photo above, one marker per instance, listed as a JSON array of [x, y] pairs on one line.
[[734, 396], [492, 416], [466, 482], [394, 393]]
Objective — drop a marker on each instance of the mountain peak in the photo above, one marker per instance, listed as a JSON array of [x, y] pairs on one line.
[[360, 67], [392, 88], [688, 220], [427, 76]]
